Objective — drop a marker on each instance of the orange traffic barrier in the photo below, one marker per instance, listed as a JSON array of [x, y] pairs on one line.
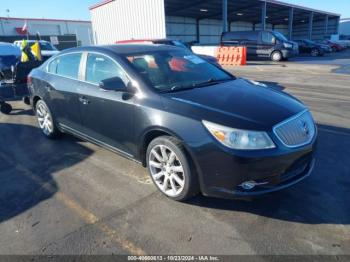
[[230, 55]]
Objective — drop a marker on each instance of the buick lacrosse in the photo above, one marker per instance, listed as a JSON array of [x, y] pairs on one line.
[[196, 127]]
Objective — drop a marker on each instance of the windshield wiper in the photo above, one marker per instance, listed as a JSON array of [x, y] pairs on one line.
[[211, 81], [208, 82]]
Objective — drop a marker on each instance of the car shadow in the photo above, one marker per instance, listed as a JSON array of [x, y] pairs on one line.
[[321, 198], [28, 161], [22, 112]]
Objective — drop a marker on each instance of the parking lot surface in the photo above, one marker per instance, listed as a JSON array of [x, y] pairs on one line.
[[71, 197]]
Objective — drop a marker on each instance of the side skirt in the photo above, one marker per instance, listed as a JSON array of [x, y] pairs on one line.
[[85, 137]]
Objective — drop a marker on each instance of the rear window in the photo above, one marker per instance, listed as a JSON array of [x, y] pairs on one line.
[[66, 65]]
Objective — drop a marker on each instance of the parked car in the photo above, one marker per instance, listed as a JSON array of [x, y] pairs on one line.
[[47, 49], [197, 127], [9, 56], [210, 59], [314, 49], [335, 46], [268, 44]]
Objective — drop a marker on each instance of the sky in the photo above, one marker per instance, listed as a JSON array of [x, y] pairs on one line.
[[79, 9]]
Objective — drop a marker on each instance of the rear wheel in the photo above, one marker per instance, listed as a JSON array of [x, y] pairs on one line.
[[276, 56], [5, 108], [45, 120], [315, 52], [170, 169]]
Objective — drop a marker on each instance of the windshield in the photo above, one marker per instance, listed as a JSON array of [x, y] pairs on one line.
[[173, 70], [279, 36]]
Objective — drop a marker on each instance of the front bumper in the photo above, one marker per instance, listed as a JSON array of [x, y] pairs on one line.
[[288, 53], [222, 172], [284, 181]]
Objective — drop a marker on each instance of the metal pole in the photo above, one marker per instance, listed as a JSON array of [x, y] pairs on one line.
[[311, 20], [2, 26], [224, 15], [197, 31], [263, 16], [337, 25], [290, 21], [326, 26]]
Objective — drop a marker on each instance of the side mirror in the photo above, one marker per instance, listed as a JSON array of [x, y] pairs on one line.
[[113, 84]]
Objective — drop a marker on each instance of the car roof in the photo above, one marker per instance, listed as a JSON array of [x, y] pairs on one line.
[[124, 48]]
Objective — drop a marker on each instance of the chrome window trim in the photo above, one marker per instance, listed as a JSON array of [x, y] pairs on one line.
[[291, 119], [60, 55], [84, 57], [107, 56]]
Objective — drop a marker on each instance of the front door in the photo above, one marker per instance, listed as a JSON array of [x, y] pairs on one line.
[[107, 116]]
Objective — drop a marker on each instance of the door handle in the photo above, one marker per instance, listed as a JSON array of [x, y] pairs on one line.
[[84, 101]]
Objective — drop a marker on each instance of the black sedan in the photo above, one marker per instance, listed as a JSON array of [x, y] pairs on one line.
[[195, 126], [314, 49]]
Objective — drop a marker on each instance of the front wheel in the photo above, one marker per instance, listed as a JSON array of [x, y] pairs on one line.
[[170, 168], [45, 120], [276, 56]]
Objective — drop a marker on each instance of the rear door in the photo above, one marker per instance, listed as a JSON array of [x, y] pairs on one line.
[[107, 116], [63, 87], [250, 40]]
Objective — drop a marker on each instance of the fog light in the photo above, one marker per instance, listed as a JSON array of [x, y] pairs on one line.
[[249, 185]]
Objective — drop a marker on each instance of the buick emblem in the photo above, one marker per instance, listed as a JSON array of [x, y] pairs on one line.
[[305, 128]]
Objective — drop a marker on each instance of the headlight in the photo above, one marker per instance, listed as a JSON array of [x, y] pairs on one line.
[[239, 139], [289, 46]]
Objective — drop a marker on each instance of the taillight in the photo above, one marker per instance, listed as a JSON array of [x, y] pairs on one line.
[[29, 80]]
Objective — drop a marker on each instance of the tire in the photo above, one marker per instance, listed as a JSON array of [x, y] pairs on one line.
[[168, 163], [45, 120], [276, 56], [5, 108], [315, 52]]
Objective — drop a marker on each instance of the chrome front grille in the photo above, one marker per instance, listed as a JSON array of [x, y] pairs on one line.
[[296, 131]]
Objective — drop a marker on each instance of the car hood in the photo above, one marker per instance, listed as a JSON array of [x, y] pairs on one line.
[[239, 103]]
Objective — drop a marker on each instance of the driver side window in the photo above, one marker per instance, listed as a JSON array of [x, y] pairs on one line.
[[268, 38], [100, 67]]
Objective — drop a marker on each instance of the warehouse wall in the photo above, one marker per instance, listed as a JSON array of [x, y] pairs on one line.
[[128, 19], [184, 28], [301, 31], [48, 27], [181, 28], [344, 27]]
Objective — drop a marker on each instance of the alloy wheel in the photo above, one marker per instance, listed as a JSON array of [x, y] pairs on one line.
[[166, 170], [44, 119], [314, 52]]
